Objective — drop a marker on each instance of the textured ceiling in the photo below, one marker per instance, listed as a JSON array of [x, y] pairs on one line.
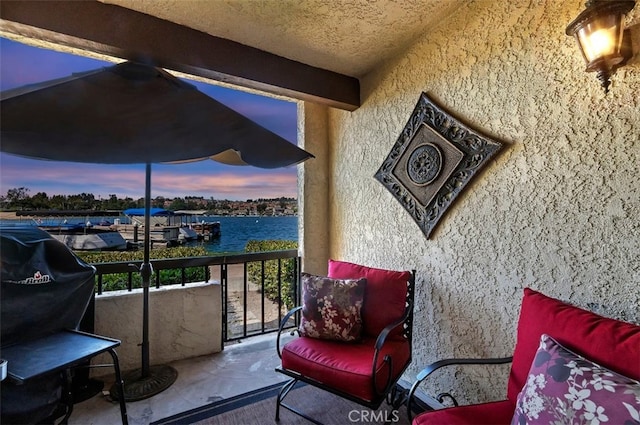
[[346, 36]]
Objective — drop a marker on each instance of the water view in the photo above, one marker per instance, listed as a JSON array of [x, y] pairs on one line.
[[236, 231]]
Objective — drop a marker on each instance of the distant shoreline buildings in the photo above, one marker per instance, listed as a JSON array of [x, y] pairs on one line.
[[261, 207], [19, 200]]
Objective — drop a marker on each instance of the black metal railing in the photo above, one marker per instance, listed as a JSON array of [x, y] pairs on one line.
[[257, 288]]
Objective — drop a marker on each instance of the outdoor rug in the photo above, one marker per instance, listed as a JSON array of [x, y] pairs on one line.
[[258, 407]]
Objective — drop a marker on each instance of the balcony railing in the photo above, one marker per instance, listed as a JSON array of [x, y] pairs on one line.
[[257, 288]]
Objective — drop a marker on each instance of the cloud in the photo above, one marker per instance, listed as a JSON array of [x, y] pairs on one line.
[[273, 114], [59, 178], [226, 185], [21, 64], [208, 179]]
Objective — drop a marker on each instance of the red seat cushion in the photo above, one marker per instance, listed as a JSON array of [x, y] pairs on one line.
[[346, 367], [607, 342], [494, 413], [385, 295]]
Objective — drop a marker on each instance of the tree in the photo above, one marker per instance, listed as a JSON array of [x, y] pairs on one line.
[[178, 204], [18, 197], [40, 201], [58, 202], [81, 201], [128, 202], [113, 203], [159, 202]]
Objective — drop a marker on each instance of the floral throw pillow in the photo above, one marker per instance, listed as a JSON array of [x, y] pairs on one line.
[[331, 308], [565, 388]]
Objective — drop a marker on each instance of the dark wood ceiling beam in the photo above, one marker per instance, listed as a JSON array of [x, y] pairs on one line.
[[127, 34]]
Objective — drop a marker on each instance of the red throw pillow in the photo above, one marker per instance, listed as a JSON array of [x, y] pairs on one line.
[[608, 342], [331, 308], [385, 295], [564, 387]]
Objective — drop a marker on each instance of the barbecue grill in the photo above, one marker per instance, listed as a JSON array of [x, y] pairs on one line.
[[45, 289]]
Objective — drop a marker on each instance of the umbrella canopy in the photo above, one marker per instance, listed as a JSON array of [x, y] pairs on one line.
[[135, 113]]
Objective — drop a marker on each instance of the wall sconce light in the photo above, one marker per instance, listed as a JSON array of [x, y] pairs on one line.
[[601, 37]]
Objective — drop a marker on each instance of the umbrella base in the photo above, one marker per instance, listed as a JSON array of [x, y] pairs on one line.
[[137, 387]]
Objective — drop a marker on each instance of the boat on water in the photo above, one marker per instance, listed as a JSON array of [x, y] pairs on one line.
[[120, 230], [75, 228], [192, 219], [86, 237], [166, 226]]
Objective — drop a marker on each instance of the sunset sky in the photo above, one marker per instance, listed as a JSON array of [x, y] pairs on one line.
[[21, 64]]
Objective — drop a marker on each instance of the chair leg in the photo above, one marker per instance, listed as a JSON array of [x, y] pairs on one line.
[[282, 394], [397, 397], [286, 388]]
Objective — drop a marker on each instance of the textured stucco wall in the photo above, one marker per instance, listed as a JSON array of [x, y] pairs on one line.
[[313, 188], [184, 322], [558, 210]]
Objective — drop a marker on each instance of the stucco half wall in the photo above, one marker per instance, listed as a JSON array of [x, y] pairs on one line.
[[558, 210], [184, 321]]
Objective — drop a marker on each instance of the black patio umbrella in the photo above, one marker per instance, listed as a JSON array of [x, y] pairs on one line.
[[135, 113]]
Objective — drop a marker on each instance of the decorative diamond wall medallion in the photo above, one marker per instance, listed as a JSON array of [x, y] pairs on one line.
[[432, 161]]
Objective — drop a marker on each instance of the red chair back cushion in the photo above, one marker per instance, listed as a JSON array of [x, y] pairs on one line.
[[385, 294], [607, 342]]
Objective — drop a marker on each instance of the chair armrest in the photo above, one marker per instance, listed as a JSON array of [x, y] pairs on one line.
[[380, 341], [424, 373], [382, 337], [284, 321]]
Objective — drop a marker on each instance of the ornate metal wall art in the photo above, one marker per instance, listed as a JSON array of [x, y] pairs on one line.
[[432, 161]]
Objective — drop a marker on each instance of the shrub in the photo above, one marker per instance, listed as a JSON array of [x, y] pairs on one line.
[[119, 281], [287, 271]]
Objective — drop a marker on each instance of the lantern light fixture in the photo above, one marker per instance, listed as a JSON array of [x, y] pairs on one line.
[[601, 37]]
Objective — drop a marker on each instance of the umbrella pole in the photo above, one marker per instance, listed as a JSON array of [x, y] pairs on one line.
[[146, 270], [147, 381]]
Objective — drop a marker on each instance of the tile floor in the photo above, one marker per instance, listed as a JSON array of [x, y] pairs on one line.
[[239, 368]]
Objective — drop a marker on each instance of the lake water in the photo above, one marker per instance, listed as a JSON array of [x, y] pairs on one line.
[[236, 231]]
